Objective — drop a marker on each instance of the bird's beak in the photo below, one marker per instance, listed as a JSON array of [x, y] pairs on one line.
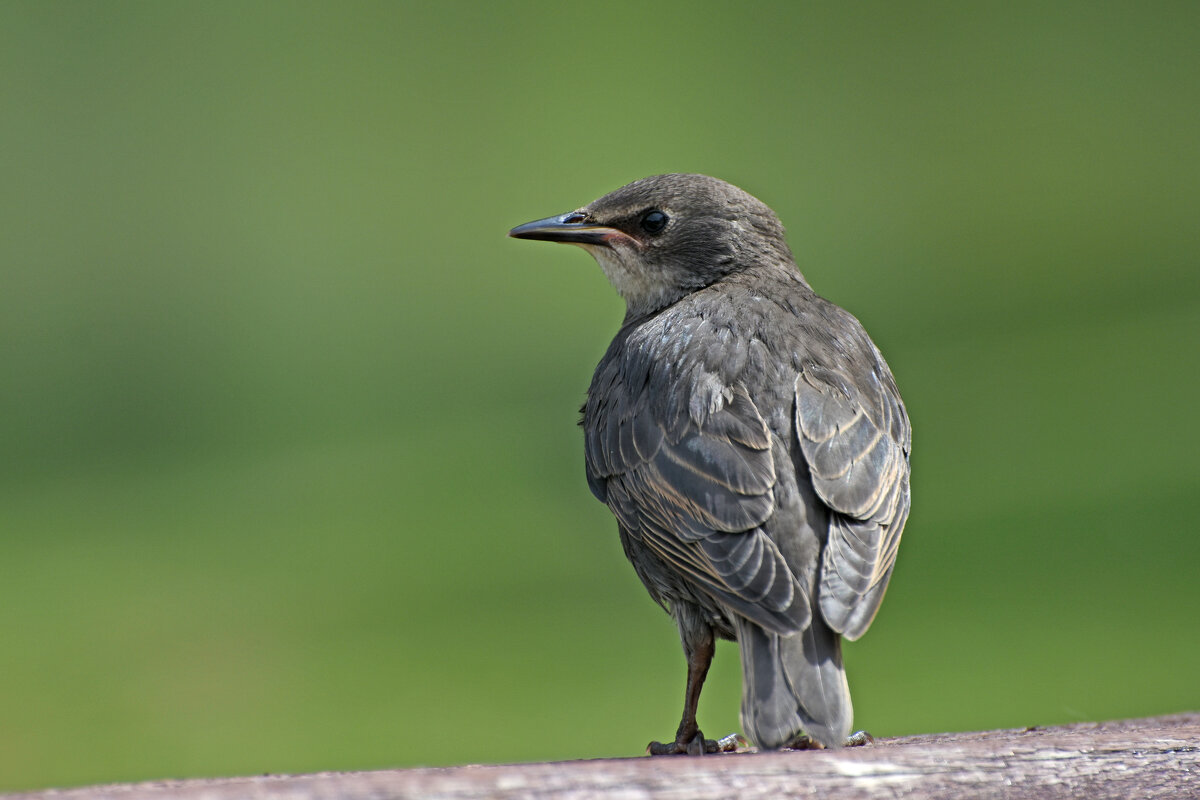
[[572, 227]]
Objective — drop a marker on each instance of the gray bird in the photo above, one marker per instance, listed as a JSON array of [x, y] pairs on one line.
[[751, 442]]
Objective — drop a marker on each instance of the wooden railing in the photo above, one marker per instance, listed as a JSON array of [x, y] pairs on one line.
[[1139, 759]]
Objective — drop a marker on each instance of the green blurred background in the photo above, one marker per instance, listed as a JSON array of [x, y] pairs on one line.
[[289, 472]]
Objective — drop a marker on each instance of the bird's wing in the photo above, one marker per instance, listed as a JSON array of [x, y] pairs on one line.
[[855, 436], [696, 486]]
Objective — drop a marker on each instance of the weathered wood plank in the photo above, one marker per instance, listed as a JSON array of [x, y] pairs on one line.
[[1127, 760]]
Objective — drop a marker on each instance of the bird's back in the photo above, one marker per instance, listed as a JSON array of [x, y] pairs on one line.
[[737, 525]]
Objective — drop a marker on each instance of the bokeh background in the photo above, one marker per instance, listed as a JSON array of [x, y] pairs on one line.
[[289, 472]]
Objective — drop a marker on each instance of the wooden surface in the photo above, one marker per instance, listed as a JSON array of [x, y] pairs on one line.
[[1129, 760]]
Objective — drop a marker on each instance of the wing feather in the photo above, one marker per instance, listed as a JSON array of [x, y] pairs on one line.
[[855, 437], [698, 492]]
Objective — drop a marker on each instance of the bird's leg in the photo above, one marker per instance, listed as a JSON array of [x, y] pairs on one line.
[[698, 646], [698, 661]]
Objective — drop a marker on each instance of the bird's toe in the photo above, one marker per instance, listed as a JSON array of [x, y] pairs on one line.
[[661, 749], [733, 743]]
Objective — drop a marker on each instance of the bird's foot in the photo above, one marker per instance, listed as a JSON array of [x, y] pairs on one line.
[[805, 742], [859, 739], [698, 745], [733, 743]]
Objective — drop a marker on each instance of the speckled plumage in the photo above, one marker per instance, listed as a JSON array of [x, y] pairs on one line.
[[751, 442]]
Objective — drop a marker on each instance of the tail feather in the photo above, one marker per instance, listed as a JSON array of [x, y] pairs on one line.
[[793, 684]]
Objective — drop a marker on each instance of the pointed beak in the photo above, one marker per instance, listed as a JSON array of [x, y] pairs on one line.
[[573, 228]]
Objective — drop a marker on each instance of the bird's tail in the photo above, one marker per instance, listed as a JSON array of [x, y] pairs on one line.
[[793, 684]]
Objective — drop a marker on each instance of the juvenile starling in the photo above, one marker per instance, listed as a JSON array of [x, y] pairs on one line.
[[751, 442]]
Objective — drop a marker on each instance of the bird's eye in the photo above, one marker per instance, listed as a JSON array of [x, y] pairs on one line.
[[654, 221]]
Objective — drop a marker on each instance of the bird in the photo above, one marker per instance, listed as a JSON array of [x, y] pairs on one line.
[[752, 444]]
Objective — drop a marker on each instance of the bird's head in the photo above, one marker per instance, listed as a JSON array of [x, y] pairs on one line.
[[666, 236]]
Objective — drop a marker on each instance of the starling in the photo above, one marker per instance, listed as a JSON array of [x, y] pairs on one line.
[[751, 442]]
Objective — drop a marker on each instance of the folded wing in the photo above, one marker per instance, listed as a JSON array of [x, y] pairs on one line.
[[696, 486], [855, 437]]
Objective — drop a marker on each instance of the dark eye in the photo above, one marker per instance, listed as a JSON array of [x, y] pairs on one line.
[[653, 221]]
